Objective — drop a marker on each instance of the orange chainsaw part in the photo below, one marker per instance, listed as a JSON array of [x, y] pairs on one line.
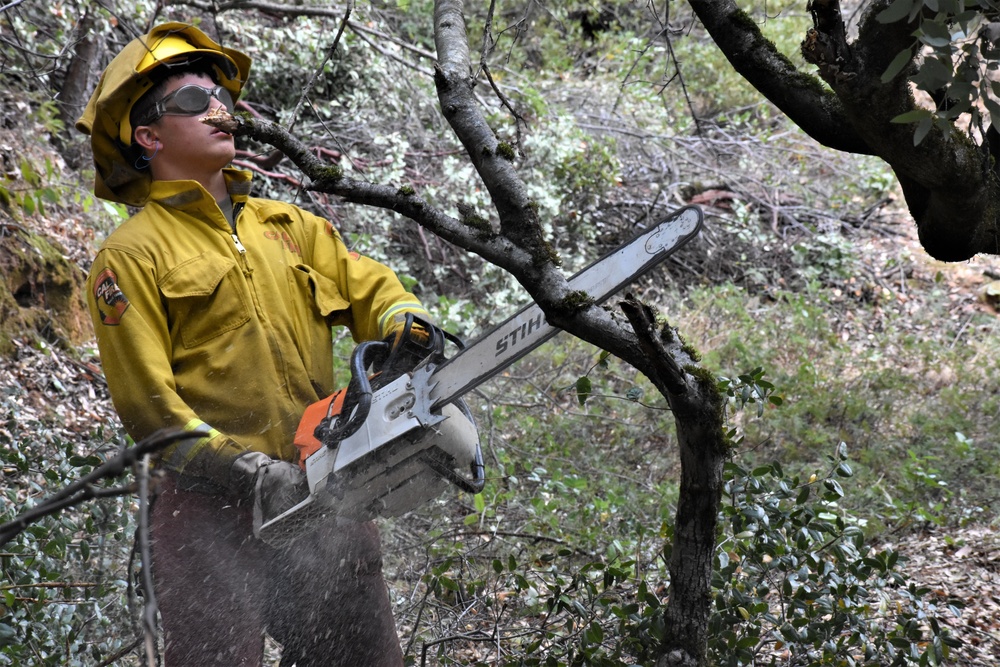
[[305, 439]]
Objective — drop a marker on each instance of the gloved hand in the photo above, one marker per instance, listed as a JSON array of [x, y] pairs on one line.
[[406, 347], [415, 333], [273, 486]]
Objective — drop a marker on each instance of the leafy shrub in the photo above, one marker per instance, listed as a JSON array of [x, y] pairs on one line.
[[64, 593], [795, 578], [796, 583]]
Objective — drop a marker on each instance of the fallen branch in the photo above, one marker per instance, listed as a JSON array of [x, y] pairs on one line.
[[85, 488]]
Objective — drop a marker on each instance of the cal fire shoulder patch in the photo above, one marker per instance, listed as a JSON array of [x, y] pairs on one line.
[[111, 301]]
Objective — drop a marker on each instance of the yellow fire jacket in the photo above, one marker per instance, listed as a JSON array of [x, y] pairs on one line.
[[229, 332]]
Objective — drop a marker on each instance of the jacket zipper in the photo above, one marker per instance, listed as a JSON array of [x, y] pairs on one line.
[[236, 239], [239, 246]]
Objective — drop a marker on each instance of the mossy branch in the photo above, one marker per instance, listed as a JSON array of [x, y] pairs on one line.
[[404, 200], [668, 372]]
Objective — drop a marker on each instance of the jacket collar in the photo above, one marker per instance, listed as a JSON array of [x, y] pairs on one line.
[[190, 197]]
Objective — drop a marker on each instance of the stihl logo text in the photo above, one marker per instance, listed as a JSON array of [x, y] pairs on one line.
[[518, 334]]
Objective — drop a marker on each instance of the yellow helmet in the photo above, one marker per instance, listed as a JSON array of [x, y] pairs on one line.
[[125, 80]]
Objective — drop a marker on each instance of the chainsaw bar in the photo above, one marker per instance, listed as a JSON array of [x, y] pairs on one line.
[[527, 329]]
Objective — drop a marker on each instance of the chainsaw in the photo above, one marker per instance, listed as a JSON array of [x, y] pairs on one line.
[[398, 437]]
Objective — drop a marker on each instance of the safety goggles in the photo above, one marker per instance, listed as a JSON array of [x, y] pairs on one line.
[[190, 100]]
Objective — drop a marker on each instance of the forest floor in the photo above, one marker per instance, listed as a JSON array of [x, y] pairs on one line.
[[955, 563]]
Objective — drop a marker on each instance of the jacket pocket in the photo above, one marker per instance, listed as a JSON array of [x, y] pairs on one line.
[[203, 299], [326, 295]]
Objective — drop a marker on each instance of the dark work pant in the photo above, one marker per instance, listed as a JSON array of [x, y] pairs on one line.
[[218, 588]]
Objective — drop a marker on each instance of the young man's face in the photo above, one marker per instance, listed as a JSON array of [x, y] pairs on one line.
[[188, 148]]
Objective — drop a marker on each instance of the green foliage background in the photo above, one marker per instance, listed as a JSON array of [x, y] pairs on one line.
[[562, 559]]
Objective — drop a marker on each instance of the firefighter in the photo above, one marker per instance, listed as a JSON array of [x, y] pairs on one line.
[[213, 312]]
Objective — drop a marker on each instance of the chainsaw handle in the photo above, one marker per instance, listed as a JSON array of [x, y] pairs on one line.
[[357, 399], [410, 352], [389, 363]]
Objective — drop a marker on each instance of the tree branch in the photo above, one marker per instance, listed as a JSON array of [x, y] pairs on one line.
[[947, 181], [319, 69], [799, 95], [949, 185], [643, 321], [84, 488]]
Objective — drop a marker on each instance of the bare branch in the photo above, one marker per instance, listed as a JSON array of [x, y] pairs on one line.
[[467, 234], [84, 489], [318, 70], [643, 321], [493, 162], [800, 95], [149, 608]]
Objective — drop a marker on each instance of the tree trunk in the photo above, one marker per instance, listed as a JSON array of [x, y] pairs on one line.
[[698, 410], [74, 92]]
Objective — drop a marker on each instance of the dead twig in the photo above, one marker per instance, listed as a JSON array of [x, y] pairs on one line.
[[85, 488], [316, 72], [149, 609]]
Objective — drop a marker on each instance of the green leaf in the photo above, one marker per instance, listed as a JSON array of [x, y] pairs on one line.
[[80, 461], [994, 108], [583, 389], [935, 33], [479, 502], [594, 633], [911, 116], [7, 635], [803, 496], [895, 12], [923, 129], [898, 64]]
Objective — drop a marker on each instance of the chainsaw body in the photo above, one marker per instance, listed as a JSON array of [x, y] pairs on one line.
[[371, 452], [402, 456]]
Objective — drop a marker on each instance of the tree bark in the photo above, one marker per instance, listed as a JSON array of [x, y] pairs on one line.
[[949, 181]]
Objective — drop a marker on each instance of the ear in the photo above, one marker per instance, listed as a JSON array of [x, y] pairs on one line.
[[146, 137]]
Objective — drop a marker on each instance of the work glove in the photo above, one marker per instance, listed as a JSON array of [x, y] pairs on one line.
[[273, 486], [406, 347]]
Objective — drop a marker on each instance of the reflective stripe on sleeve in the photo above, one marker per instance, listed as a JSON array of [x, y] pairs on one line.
[[398, 309], [185, 450]]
